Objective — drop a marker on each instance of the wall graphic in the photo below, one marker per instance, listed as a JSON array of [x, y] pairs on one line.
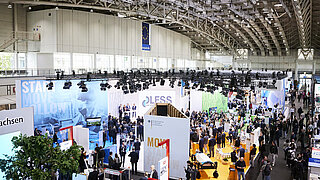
[[217, 100], [60, 107]]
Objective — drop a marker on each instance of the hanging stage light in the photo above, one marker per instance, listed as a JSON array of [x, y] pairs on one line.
[[50, 85], [103, 86], [162, 81], [67, 85]]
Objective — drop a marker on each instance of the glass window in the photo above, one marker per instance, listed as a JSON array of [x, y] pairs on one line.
[[22, 61], [82, 62], [105, 62], [163, 64], [62, 61], [180, 63], [7, 61]]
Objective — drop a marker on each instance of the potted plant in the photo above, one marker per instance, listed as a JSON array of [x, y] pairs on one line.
[[35, 158]]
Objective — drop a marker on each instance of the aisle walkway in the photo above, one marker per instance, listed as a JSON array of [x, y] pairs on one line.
[[280, 171]]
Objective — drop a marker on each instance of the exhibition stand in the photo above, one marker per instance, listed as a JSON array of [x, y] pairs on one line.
[[160, 124]]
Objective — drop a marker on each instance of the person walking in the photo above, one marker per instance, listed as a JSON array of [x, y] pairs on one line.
[[267, 171], [253, 153], [274, 153], [240, 166]]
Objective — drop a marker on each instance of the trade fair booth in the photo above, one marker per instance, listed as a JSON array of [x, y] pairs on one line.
[[164, 122]]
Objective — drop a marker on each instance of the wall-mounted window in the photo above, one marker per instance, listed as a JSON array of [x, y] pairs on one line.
[[62, 61], [83, 62], [305, 54], [105, 62]]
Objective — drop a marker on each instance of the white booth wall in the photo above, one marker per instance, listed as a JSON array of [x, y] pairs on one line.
[[117, 97]]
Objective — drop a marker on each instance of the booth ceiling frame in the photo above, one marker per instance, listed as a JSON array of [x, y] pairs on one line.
[[264, 27]]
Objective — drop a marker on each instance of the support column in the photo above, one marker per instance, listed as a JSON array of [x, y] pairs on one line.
[[296, 70]]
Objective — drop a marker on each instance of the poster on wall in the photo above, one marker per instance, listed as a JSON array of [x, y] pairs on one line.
[[160, 128], [149, 98], [59, 107]]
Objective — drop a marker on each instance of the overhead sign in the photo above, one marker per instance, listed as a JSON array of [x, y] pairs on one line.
[[313, 162], [17, 120], [164, 169], [148, 98]]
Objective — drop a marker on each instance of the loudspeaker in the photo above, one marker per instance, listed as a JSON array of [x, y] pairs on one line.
[[162, 110]]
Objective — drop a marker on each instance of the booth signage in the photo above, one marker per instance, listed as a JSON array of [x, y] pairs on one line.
[[17, 120], [315, 153], [313, 162], [163, 169], [150, 98]]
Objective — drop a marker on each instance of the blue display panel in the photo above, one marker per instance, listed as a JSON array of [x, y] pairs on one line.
[[60, 107]]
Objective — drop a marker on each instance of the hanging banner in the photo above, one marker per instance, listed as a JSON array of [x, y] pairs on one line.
[[146, 37]]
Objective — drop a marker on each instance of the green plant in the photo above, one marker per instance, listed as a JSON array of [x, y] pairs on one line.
[[35, 158]]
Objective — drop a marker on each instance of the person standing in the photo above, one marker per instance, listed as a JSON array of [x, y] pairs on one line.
[[206, 143], [123, 151], [120, 111], [55, 137], [219, 138], [201, 144], [140, 132], [82, 164], [240, 166], [223, 140], [134, 110], [153, 173], [110, 160], [137, 145], [212, 143], [101, 155], [274, 153], [134, 158]]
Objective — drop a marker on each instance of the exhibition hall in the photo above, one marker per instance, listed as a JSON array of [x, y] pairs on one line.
[[139, 90]]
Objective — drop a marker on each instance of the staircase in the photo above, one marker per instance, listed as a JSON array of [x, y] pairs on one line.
[[19, 36]]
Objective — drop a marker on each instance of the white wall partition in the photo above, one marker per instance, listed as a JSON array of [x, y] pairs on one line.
[[159, 128]]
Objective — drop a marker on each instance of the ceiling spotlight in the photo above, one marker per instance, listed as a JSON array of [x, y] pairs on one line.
[[91, 10], [30, 8], [10, 6], [85, 89], [57, 8], [103, 86]]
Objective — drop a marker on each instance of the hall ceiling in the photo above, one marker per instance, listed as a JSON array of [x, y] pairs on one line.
[[264, 27]]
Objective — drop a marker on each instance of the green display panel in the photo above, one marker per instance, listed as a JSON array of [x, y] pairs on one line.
[[217, 100]]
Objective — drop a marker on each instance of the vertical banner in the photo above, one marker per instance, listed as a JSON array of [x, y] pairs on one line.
[[163, 169], [145, 37]]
